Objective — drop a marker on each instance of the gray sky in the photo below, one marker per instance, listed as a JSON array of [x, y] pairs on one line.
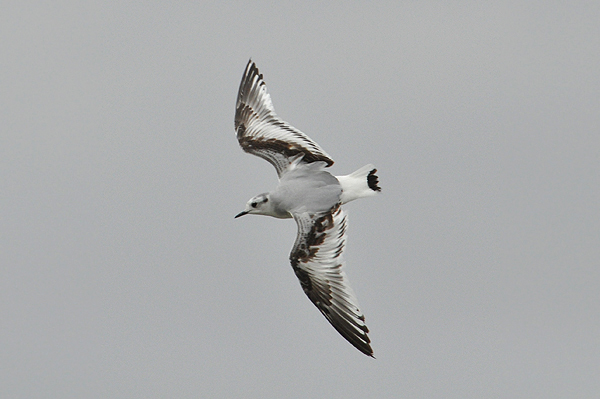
[[124, 275]]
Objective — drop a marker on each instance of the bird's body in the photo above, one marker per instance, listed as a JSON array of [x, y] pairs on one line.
[[307, 188], [313, 197]]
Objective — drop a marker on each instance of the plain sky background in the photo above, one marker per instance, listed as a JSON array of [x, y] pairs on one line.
[[124, 275]]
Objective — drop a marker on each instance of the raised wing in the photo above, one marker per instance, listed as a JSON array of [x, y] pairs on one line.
[[317, 262], [260, 131]]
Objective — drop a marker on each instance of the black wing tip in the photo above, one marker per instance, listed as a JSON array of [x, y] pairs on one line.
[[250, 65], [373, 181], [359, 341], [251, 71], [363, 347]]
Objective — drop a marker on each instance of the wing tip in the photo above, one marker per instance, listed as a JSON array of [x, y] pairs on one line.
[[360, 340], [369, 352]]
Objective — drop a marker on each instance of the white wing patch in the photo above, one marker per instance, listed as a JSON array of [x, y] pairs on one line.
[[317, 261], [260, 131]]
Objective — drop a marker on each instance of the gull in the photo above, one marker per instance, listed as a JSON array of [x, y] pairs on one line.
[[313, 197]]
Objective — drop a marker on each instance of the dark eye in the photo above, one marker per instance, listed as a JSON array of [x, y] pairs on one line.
[[253, 204], [265, 200]]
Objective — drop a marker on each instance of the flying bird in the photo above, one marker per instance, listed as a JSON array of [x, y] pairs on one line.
[[310, 195]]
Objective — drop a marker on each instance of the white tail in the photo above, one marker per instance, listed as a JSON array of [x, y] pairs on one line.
[[362, 183]]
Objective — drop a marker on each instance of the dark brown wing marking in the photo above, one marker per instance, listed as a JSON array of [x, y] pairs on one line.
[[317, 261], [260, 131]]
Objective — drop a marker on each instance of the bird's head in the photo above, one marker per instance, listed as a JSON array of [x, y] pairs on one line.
[[258, 205]]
